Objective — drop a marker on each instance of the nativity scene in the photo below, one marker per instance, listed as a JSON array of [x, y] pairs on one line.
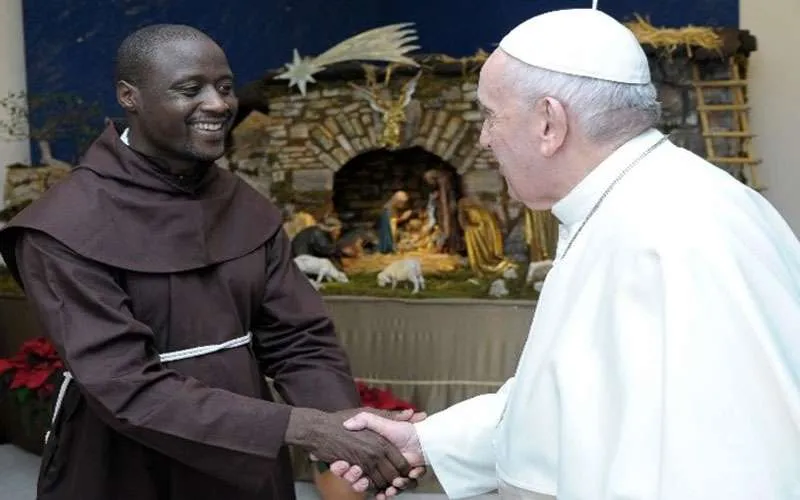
[[390, 152], [387, 142]]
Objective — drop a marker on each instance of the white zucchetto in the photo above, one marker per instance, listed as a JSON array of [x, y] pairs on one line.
[[583, 42]]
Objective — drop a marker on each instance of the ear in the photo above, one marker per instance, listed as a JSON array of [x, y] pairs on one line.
[[127, 96], [554, 127]]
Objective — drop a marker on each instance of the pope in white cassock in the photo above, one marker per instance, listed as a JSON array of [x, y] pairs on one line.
[[663, 361]]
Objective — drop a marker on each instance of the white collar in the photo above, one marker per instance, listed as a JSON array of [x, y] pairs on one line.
[[124, 137], [575, 206]]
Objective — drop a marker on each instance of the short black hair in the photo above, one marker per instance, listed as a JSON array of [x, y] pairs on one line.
[[137, 49]]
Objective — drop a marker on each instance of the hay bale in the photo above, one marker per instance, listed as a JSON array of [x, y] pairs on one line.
[[671, 39]]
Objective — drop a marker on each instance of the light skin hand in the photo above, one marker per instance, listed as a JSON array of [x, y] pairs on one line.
[[401, 433], [325, 436], [403, 416], [353, 474]]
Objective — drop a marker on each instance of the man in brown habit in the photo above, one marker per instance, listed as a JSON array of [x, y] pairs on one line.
[[168, 288]]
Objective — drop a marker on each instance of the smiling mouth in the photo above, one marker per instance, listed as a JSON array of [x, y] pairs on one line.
[[208, 126]]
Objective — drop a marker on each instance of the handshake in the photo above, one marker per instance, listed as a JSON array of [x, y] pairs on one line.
[[368, 448]]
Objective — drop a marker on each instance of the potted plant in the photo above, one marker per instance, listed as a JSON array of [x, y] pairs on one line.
[[28, 382], [332, 487]]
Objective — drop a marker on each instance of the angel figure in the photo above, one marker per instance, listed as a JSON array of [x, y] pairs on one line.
[[394, 113]]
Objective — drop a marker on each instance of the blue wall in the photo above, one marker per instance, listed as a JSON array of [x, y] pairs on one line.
[[70, 44]]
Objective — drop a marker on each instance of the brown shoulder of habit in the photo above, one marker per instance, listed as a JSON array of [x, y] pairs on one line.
[[121, 262]]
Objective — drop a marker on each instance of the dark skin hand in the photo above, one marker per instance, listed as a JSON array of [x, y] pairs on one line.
[[353, 473], [343, 469], [324, 435]]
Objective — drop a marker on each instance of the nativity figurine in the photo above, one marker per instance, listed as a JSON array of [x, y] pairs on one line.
[[483, 238], [442, 210], [541, 234], [296, 221], [354, 243], [319, 240], [394, 213], [403, 270], [419, 236], [322, 269]]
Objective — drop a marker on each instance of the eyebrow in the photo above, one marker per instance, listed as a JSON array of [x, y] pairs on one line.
[[189, 77]]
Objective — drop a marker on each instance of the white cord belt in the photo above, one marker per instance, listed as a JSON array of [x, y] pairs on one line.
[[192, 352]]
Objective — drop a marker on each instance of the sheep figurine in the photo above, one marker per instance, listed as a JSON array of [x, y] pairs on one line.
[[510, 273], [498, 288], [537, 271], [403, 270], [320, 267]]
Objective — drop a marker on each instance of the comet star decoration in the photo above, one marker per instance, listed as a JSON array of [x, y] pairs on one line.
[[386, 44]]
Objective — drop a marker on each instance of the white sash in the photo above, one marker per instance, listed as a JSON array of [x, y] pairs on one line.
[[166, 357]]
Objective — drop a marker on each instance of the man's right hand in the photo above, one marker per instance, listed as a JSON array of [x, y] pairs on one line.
[[399, 432], [324, 435]]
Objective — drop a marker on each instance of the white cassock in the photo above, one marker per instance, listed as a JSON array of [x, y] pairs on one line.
[[663, 361]]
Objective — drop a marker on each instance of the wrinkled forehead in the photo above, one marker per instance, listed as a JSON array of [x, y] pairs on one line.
[[490, 82]]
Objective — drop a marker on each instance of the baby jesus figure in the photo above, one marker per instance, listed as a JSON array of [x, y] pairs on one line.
[[418, 235]]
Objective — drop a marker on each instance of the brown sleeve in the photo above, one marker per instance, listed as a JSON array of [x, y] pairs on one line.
[[115, 365], [295, 340]]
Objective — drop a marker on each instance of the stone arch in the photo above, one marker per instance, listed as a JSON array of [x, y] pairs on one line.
[[365, 183], [450, 135]]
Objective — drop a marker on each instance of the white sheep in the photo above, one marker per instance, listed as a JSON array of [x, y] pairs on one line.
[[320, 267], [537, 271], [403, 270], [510, 273], [498, 288]]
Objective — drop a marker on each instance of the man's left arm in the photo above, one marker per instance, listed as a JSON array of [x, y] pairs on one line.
[[295, 341]]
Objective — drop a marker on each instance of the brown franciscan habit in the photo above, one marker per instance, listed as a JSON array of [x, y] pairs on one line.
[[122, 261]]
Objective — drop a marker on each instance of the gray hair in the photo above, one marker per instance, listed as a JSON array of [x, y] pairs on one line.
[[607, 112]]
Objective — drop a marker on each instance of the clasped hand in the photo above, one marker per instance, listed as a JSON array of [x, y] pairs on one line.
[[399, 430], [373, 448]]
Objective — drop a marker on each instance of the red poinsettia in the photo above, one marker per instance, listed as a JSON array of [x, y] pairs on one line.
[[381, 399], [35, 367]]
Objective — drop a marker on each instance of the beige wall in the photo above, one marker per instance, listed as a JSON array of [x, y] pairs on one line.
[[12, 79], [775, 99]]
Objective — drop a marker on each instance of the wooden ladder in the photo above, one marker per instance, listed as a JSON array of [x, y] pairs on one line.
[[732, 136]]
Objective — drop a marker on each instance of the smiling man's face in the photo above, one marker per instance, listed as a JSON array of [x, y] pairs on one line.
[[184, 108]]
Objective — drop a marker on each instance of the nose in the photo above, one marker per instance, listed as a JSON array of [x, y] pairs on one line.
[[214, 102]]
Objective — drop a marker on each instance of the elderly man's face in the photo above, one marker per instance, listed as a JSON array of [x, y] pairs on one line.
[[509, 130], [185, 107]]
